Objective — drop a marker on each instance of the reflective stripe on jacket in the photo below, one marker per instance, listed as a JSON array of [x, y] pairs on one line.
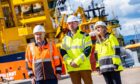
[[74, 51], [107, 59], [40, 63]]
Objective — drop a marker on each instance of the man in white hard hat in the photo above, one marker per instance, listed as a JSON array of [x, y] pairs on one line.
[[73, 22], [43, 59], [39, 34], [107, 54], [75, 49]]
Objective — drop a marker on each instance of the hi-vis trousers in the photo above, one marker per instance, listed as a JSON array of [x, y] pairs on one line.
[[76, 77]]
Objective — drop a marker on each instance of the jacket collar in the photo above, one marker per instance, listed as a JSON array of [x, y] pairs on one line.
[[70, 33], [43, 43]]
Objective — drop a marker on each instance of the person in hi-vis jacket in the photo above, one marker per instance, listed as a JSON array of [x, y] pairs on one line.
[[43, 59], [107, 54], [76, 49]]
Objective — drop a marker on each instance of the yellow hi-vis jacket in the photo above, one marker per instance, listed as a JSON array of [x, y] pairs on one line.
[[107, 58], [74, 51]]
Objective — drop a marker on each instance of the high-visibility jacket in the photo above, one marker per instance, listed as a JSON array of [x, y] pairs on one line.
[[107, 53], [76, 48], [43, 62]]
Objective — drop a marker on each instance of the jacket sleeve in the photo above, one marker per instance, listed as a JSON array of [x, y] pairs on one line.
[[64, 53], [28, 59], [115, 45], [87, 43], [96, 54], [57, 59]]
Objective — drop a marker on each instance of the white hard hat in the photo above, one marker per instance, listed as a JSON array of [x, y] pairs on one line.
[[38, 28], [72, 18], [99, 23]]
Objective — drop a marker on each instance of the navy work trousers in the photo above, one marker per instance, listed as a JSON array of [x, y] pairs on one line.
[[49, 81], [112, 77]]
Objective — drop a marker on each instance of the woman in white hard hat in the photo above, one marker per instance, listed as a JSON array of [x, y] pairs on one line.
[[75, 49], [43, 59], [107, 54]]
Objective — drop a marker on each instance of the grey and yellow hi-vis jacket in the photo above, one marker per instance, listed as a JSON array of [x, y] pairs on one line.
[[107, 54]]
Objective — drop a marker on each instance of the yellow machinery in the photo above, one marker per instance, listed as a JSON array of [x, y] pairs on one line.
[[131, 46], [17, 19], [87, 23], [61, 29], [80, 11]]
